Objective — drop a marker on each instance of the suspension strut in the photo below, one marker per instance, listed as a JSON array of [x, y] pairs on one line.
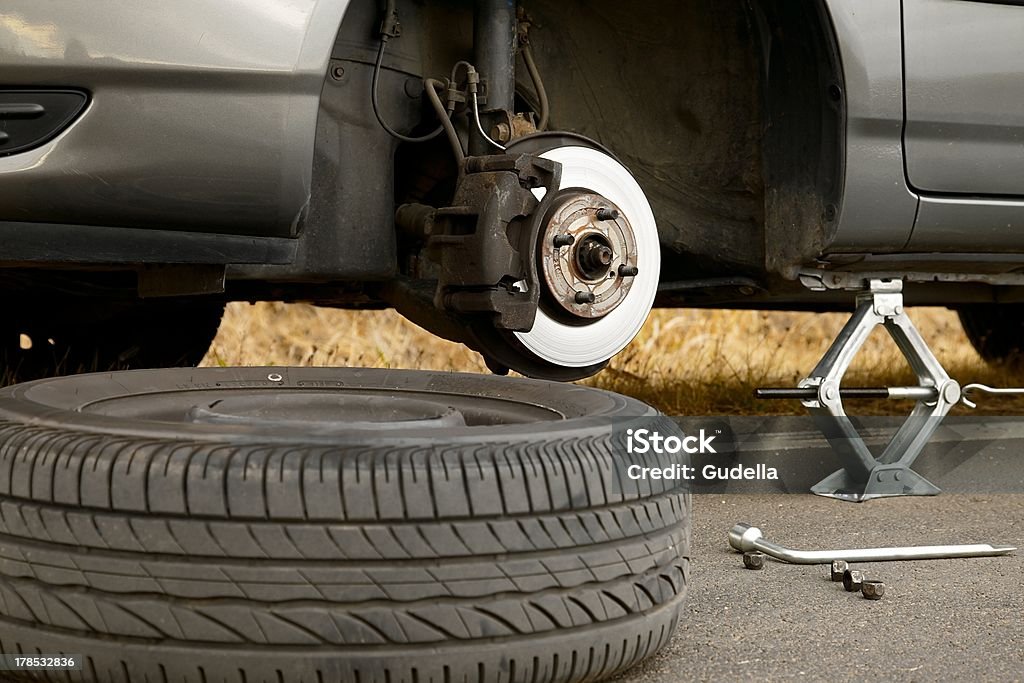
[[494, 51]]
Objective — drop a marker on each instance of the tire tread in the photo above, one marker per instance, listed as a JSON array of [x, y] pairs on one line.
[[174, 559]]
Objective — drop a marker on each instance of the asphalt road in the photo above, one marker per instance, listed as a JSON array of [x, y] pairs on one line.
[[939, 620]]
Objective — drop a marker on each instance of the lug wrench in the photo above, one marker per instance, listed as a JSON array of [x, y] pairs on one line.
[[744, 537]]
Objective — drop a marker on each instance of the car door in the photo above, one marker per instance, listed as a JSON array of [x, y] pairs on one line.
[[965, 96], [964, 134]]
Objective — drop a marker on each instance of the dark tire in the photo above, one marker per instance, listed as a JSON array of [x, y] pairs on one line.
[[996, 331], [205, 525], [92, 335]]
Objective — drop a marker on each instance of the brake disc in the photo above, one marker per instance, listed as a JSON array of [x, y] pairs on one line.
[[599, 262]]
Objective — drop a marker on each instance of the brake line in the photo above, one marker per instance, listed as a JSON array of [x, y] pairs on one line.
[[538, 85], [431, 86], [376, 107]]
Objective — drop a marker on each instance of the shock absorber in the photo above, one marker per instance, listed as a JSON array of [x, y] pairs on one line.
[[494, 54]]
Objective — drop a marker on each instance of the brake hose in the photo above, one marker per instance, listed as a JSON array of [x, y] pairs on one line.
[[538, 84], [432, 85]]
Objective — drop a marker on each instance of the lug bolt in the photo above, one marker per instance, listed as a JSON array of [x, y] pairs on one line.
[[852, 579], [606, 214], [563, 240], [628, 271], [753, 559], [872, 590], [584, 297], [837, 570]]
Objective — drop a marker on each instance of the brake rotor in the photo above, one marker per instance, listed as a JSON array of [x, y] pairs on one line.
[[590, 310]]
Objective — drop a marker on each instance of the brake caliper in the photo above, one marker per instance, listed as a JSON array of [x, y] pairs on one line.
[[483, 246]]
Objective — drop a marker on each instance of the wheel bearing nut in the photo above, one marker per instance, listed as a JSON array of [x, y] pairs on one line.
[[753, 559], [837, 569], [872, 590], [853, 579]]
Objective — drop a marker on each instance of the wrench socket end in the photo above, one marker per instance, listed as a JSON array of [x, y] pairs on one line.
[[742, 537]]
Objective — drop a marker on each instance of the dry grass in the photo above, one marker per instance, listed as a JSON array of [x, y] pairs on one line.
[[685, 362]]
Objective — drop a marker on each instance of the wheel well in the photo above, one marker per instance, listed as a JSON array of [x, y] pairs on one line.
[[720, 109], [730, 115]]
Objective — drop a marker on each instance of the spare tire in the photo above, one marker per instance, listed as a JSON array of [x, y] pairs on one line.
[[279, 525]]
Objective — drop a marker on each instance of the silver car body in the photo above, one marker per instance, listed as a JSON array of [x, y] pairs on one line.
[[935, 127], [203, 116], [207, 120]]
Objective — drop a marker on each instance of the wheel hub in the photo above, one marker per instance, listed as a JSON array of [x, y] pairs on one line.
[[588, 255]]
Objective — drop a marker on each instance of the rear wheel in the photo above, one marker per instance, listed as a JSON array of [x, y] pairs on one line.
[[72, 335], [333, 525], [996, 331]]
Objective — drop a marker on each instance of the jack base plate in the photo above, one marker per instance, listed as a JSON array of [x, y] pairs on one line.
[[884, 482]]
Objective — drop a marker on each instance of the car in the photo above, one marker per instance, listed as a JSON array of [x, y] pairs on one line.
[[529, 179], [157, 161]]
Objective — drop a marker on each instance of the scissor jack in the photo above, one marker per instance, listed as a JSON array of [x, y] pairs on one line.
[[863, 475]]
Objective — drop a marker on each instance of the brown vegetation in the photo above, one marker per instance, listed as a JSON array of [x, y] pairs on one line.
[[685, 362]]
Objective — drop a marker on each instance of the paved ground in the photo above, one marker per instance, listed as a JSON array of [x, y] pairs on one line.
[[940, 619]]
